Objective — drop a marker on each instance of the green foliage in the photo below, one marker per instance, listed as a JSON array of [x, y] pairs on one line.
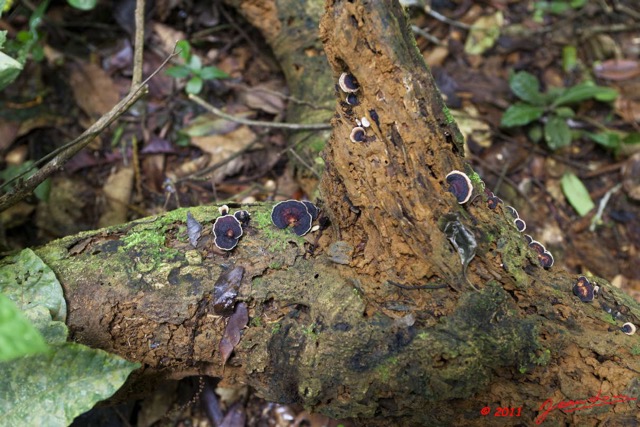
[[193, 70], [552, 109], [26, 168], [555, 7], [576, 193], [46, 380], [83, 4], [17, 336]]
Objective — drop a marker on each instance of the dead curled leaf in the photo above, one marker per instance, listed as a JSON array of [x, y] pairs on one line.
[[617, 69], [93, 89], [231, 337], [225, 291]]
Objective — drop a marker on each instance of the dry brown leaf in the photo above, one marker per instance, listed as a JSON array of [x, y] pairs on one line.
[[166, 36], [265, 97], [221, 147], [93, 89], [237, 321], [628, 109], [117, 191], [617, 69]]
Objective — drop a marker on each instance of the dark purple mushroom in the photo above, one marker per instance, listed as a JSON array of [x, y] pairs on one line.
[[226, 231], [352, 99], [628, 328], [513, 212], [294, 214], [224, 210], [537, 246], [583, 289], [348, 83], [545, 259], [520, 224], [243, 217], [493, 202], [358, 134], [312, 209], [459, 185], [528, 238]]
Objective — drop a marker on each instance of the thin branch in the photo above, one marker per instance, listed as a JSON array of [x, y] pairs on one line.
[[426, 35], [138, 44], [57, 159], [293, 126]]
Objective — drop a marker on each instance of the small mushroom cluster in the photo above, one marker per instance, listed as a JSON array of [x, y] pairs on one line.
[[628, 328], [227, 229], [585, 290], [544, 256], [517, 221], [295, 214]]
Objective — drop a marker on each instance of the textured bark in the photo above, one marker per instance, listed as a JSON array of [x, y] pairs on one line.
[[328, 328]]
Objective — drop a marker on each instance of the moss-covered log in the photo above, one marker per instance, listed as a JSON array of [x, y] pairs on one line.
[[333, 324]]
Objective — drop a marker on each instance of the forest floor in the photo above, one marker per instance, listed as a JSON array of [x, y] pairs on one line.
[[155, 157]]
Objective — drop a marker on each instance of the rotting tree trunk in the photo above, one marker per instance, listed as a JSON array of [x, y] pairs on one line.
[[340, 338]]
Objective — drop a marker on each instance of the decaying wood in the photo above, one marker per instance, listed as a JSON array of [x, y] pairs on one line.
[[328, 328]]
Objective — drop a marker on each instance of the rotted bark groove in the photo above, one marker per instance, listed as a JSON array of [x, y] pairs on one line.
[[328, 328]]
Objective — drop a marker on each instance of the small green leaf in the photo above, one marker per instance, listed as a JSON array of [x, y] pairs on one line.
[[564, 112], [184, 48], [178, 71], [17, 336], [195, 63], [583, 91], [194, 85], [632, 138], [52, 389], [569, 58], [576, 193], [83, 4], [526, 87], [609, 140], [520, 114], [557, 133], [208, 73]]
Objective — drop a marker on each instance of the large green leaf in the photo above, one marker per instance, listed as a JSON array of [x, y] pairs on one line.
[[557, 133], [576, 193], [526, 87], [583, 91], [29, 282], [52, 389], [17, 336], [521, 114], [83, 4]]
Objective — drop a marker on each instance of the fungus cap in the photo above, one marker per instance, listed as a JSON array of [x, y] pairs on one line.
[[628, 328], [459, 185], [520, 224], [352, 99], [311, 208], [226, 231], [358, 134], [583, 289], [545, 259], [348, 83], [294, 214], [243, 217]]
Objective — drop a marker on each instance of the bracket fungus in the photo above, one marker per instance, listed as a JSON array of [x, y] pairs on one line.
[[243, 217], [584, 290], [294, 214], [348, 83], [459, 185], [226, 231], [520, 224], [628, 328], [352, 99], [358, 134]]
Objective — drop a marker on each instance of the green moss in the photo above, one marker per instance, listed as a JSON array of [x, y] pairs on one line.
[[608, 318], [275, 328], [256, 322], [146, 237], [635, 350], [543, 359], [275, 265]]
